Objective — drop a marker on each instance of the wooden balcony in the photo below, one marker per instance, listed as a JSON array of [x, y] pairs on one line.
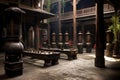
[[86, 12]]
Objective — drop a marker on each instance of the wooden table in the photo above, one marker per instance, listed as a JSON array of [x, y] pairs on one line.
[[71, 53], [50, 58]]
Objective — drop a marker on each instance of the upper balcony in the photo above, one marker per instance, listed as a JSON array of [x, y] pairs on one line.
[[86, 12]]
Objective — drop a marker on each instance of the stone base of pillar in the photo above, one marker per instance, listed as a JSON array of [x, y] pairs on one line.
[[100, 62], [13, 68]]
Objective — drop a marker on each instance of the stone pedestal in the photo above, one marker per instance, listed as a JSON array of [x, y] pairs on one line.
[[13, 68]]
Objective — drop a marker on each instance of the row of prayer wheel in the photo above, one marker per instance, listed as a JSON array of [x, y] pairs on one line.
[[68, 43], [60, 44]]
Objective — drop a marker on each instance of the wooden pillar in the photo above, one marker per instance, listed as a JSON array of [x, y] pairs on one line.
[[48, 8], [49, 34], [31, 37], [37, 36], [74, 23], [100, 35], [59, 20]]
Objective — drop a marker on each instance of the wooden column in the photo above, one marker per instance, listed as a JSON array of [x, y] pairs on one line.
[[100, 35], [48, 8], [49, 42], [31, 37], [59, 14], [37, 36], [59, 26], [74, 23]]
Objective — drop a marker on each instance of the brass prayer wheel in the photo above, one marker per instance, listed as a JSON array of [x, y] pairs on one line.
[[80, 42], [88, 42]]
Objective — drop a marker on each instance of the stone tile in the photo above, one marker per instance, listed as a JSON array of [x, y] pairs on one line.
[[80, 69]]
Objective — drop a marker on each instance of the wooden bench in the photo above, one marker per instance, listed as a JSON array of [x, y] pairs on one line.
[[50, 58], [71, 53]]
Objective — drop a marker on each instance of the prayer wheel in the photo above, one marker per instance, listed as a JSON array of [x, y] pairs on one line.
[[88, 42], [80, 42], [44, 38], [109, 45], [53, 40], [60, 44], [66, 40]]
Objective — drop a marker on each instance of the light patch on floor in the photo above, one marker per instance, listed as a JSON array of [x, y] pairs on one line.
[[111, 59]]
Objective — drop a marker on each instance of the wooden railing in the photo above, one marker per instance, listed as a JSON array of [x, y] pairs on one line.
[[84, 12], [108, 8]]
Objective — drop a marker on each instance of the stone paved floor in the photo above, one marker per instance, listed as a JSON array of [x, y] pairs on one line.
[[80, 69]]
